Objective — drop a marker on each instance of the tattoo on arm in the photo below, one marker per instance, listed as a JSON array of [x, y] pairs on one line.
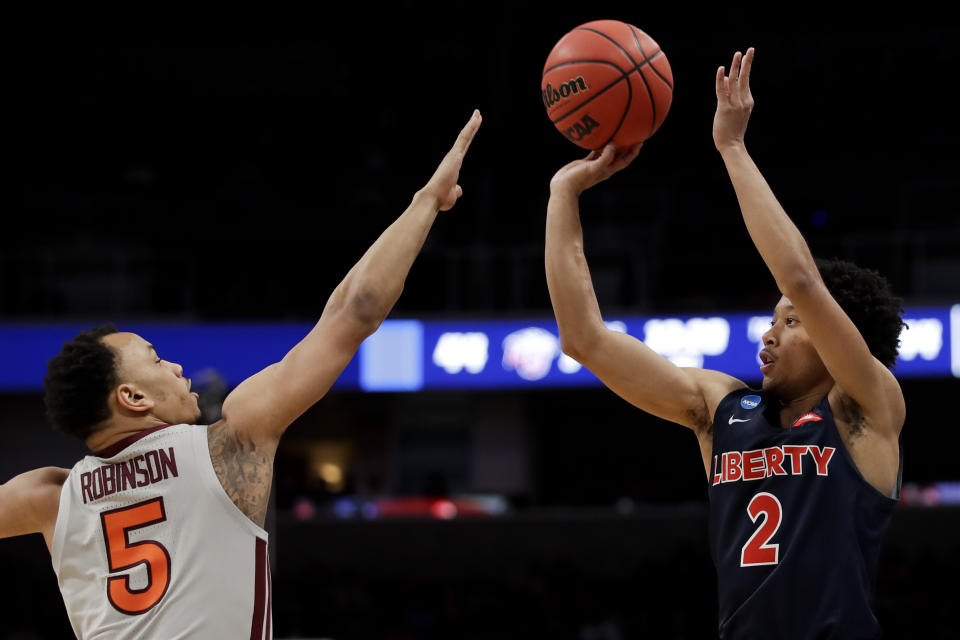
[[245, 469]]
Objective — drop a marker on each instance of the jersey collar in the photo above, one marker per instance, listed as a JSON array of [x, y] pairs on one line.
[[120, 445]]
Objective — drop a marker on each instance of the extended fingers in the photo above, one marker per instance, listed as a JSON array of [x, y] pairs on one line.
[[721, 82], [735, 73], [745, 71], [736, 86], [467, 133]]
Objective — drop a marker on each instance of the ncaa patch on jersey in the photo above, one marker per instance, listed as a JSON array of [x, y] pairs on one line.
[[750, 402]]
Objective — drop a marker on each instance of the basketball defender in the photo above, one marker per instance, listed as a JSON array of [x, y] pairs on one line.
[[159, 532], [803, 473]]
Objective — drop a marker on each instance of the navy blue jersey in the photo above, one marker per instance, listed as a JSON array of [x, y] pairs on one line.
[[795, 530]]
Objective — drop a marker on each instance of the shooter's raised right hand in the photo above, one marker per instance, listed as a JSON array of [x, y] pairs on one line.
[[580, 175]]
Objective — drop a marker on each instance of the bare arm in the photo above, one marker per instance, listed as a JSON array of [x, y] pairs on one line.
[[626, 365], [29, 502], [264, 405], [784, 250]]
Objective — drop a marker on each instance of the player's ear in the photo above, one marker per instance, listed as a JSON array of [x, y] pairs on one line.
[[132, 398]]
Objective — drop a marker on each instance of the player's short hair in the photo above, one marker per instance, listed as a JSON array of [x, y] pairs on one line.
[[79, 381], [865, 296]]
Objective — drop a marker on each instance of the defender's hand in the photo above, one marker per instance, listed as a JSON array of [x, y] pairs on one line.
[[580, 175], [443, 187], [734, 102]]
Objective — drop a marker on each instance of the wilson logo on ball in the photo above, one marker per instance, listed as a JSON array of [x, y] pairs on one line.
[[552, 96], [581, 129]]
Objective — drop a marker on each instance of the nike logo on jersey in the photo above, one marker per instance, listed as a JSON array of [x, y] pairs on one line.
[[732, 420]]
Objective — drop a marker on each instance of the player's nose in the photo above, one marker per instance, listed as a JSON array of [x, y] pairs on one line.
[[770, 337]]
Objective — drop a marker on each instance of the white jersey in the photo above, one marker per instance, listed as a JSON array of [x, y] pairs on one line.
[[148, 545]]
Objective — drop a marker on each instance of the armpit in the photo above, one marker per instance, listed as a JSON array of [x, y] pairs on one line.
[[851, 413], [245, 470], [699, 417]]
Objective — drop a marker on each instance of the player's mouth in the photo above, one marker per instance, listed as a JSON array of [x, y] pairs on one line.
[[767, 361]]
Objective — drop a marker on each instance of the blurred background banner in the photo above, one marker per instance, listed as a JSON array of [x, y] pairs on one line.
[[412, 355], [208, 185]]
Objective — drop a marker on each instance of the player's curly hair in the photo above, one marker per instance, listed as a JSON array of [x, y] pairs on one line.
[[78, 382], [865, 296]]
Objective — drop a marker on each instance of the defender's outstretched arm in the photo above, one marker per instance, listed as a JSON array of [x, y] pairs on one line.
[[264, 405]]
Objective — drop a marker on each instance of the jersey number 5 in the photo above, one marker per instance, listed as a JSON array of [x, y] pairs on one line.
[[123, 555], [756, 551]]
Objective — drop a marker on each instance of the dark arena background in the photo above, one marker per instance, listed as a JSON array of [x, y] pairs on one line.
[[210, 182]]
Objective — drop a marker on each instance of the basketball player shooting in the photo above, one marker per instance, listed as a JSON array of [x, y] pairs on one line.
[[804, 473], [159, 532]]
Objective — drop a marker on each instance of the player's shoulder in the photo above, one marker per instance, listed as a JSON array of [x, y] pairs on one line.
[[34, 484], [45, 486], [37, 481], [29, 502], [37, 491], [224, 439], [46, 477], [883, 404], [884, 414], [715, 385]]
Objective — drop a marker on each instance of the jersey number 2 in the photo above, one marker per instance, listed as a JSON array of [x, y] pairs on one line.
[[756, 551], [123, 555]]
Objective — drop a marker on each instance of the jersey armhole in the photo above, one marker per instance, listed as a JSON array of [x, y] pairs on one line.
[[869, 488]]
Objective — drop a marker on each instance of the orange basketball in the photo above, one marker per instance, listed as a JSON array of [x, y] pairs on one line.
[[607, 80]]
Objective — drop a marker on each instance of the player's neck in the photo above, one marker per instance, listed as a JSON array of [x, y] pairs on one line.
[[120, 428], [795, 406]]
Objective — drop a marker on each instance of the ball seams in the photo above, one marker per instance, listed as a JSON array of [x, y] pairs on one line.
[[653, 102], [636, 39], [624, 67], [636, 68], [618, 45]]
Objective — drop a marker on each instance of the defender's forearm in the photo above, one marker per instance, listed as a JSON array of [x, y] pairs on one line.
[[374, 284]]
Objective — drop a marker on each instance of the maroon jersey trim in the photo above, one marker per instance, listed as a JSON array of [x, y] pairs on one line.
[[120, 445], [261, 593]]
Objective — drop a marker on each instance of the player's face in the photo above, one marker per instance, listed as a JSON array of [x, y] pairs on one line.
[[791, 366], [159, 381]]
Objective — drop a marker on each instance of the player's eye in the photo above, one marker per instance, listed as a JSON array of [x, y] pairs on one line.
[[791, 319]]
